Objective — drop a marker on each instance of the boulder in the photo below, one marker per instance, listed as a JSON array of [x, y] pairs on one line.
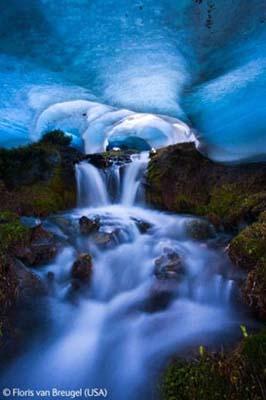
[[29, 285], [169, 266], [82, 269], [160, 297], [200, 229], [88, 226], [248, 251], [248, 248], [143, 226]]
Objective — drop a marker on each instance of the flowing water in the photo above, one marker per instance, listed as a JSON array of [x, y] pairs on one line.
[[119, 332]]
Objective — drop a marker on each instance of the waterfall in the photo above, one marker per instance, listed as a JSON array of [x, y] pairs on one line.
[[132, 179], [91, 186], [154, 292], [117, 184]]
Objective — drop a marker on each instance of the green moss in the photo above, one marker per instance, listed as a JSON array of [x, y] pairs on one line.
[[249, 246], [225, 201], [194, 380], [11, 231], [239, 375]]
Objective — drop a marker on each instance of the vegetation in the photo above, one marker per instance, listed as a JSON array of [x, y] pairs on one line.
[[240, 375], [180, 179], [11, 230], [38, 179], [57, 138]]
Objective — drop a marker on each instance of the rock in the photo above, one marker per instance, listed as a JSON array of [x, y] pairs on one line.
[[50, 276], [160, 296], [99, 160], [82, 268], [169, 266], [181, 179], [30, 222], [29, 285], [20, 289], [200, 229], [106, 239], [249, 246], [89, 226], [107, 159], [143, 226], [40, 249], [248, 251], [18, 284], [254, 290]]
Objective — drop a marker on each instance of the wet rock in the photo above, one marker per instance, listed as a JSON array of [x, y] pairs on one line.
[[30, 222], [169, 266], [99, 160], [63, 223], [105, 239], [82, 268], [50, 276], [143, 226], [160, 297], [200, 229], [109, 158], [88, 226]]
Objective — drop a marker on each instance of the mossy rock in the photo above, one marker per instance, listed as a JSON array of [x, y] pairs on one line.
[[248, 250], [254, 289], [182, 180], [249, 246]]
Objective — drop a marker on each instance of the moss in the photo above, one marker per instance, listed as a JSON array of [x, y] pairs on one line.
[[182, 180], [239, 375], [193, 381], [226, 202], [11, 230], [249, 246]]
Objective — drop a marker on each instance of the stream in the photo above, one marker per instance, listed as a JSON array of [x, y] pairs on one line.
[[155, 292]]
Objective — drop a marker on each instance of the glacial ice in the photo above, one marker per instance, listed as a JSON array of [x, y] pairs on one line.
[[202, 62]]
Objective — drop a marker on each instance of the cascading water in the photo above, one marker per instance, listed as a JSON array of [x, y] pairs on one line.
[[91, 188], [155, 292]]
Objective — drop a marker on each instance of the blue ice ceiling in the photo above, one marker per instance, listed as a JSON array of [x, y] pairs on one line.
[[104, 68]]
